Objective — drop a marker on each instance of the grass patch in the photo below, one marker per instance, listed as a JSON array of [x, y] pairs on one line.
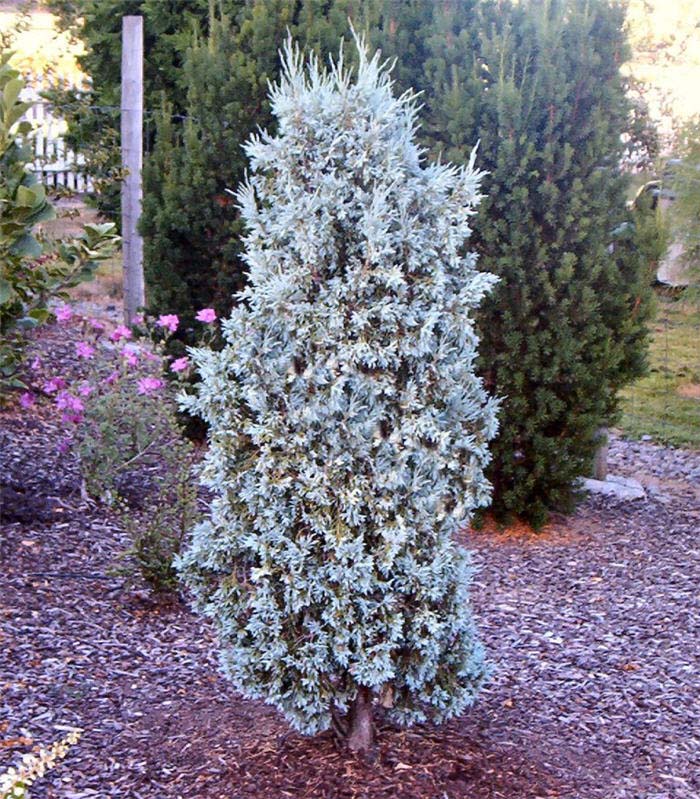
[[666, 403]]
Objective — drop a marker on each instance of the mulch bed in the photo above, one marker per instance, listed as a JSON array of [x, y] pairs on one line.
[[592, 627]]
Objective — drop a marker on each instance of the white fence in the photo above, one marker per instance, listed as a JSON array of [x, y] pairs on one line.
[[55, 164]]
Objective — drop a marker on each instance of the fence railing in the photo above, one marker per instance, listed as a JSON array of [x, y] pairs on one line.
[[55, 164]]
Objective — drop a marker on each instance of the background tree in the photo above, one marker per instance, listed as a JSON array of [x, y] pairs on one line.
[[348, 430], [567, 326], [539, 85], [685, 210], [92, 111], [168, 28], [191, 227]]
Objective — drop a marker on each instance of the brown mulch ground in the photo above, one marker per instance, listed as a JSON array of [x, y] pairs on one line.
[[593, 629]]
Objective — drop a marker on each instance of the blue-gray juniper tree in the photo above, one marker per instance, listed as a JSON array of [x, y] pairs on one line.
[[348, 431]]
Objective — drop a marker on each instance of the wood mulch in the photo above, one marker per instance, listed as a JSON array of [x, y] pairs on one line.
[[592, 627]]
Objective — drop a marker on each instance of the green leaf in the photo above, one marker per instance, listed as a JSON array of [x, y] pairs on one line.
[[40, 314], [11, 92], [103, 229], [47, 212], [17, 112], [6, 291], [14, 382], [27, 247], [28, 197]]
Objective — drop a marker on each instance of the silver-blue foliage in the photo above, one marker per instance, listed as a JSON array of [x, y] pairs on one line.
[[348, 431]]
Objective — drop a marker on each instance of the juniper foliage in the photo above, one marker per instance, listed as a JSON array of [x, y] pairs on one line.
[[348, 430]]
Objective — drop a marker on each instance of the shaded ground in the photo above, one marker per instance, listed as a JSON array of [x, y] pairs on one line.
[[592, 628]]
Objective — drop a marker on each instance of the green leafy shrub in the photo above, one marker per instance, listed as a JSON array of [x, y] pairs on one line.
[[30, 273]]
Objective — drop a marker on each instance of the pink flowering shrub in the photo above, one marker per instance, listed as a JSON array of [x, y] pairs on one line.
[[206, 315], [121, 419], [168, 321], [84, 350]]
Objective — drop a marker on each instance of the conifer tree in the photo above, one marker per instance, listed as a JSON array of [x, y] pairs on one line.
[[348, 430], [192, 234], [539, 85], [566, 328]]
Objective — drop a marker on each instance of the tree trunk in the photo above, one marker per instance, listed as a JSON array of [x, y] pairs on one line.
[[360, 735]]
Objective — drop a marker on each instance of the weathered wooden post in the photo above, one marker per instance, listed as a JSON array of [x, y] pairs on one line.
[[600, 462], [132, 163]]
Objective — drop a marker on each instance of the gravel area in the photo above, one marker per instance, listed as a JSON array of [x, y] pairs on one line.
[[592, 627]]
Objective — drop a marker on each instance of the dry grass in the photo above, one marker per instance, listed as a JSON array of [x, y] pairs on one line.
[[107, 284]]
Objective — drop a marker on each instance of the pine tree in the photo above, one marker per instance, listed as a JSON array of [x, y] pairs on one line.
[[192, 235], [347, 429], [566, 327], [539, 85]]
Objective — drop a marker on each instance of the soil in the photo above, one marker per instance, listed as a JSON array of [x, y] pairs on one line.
[[591, 627], [690, 391]]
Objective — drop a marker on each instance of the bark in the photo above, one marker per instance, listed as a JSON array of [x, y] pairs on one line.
[[360, 735]]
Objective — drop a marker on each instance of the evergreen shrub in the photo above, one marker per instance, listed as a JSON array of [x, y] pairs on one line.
[[348, 431], [539, 85]]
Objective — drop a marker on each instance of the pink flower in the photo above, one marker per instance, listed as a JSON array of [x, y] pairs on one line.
[[149, 385], [95, 324], [72, 418], [63, 313], [35, 365], [151, 356], [112, 378], [179, 365], [206, 315], [131, 354], [64, 445], [85, 390], [139, 319], [27, 399], [120, 332], [84, 350], [169, 321], [54, 385], [66, 401]]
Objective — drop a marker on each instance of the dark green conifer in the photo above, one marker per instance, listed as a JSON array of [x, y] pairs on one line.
[[539, 85], [190, 223]]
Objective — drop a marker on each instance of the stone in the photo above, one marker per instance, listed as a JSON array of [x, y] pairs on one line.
[[616, 486]]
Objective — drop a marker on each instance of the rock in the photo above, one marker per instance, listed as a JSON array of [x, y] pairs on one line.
[[615, 486]]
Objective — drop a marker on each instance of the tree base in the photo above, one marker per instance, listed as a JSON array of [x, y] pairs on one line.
[[356, 731]]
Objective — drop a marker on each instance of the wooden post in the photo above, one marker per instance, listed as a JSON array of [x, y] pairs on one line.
[[132, 163], [600, 462]]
